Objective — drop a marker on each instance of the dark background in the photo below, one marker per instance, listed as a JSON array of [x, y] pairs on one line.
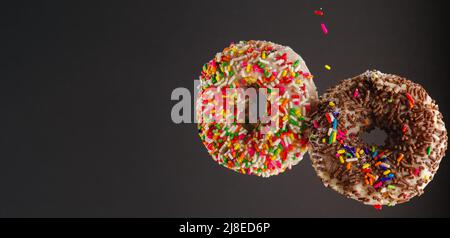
[[85, 127]]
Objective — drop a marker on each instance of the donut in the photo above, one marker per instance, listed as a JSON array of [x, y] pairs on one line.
[[377, 175], [245, 146]]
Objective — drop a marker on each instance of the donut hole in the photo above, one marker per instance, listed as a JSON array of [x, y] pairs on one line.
[[374, 136], [251, 109], [249, 124]]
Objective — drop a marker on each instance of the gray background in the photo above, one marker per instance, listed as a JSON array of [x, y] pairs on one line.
[[85, 127]]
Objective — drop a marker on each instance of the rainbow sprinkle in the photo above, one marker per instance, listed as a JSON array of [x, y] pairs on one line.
[[428, 150], [319, 12], [324, 28], [373, 162], [355, 93], [410, 100], [378, 207]]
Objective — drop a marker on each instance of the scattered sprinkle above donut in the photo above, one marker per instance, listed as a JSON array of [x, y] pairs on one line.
[[327, 67], [319, 12], [324, 28]]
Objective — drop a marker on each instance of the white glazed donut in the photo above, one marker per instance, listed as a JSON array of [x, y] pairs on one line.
[[240, 145]]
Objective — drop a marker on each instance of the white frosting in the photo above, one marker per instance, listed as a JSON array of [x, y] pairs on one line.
[[271, 63]]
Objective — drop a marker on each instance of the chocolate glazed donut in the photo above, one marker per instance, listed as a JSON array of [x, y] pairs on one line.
[[377, 175]]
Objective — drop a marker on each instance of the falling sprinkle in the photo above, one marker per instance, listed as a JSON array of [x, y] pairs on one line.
[[377, 207], [318, 12], [327, 66], [324, 28]]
